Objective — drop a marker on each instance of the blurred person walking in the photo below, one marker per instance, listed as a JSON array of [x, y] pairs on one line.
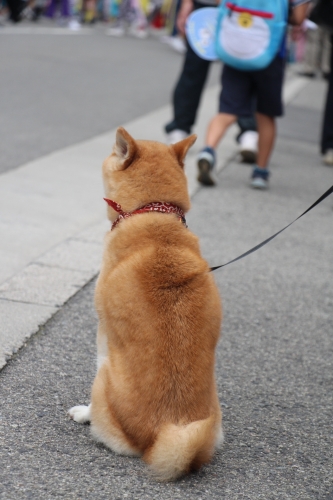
[[188, 90], [317, 53], [189, 87], [240, 89], [62, 11], [88, 14], [57, 8], [15, 8], [173, 38], [322, 15], [130, 16], [327, 132]]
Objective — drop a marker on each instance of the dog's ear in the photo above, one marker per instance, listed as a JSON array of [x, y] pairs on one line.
[[180, 148], [125, 148]]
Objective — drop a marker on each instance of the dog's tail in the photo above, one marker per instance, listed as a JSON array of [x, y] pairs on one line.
[[180, 449]]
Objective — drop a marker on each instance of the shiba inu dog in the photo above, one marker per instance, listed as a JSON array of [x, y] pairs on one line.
[[159, 311]]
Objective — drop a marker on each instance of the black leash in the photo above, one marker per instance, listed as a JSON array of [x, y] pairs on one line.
[[325, 195]]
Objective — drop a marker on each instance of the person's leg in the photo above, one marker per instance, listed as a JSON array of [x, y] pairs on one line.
[[268, 84], [326, 54], [50, 11], [65, 9], [206, 158], [235, 100], [248, 138], [310, 64], [187, 93], [218, 127], [327, 131], [247, 123], [15, 8], [267, 133]]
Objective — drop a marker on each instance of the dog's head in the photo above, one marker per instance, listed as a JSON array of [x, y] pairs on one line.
[[141, 172]]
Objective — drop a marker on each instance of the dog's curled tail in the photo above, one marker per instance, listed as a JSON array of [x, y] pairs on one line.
[[180, 449]]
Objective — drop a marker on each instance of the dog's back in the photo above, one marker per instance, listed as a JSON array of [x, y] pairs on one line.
[[160, 316]]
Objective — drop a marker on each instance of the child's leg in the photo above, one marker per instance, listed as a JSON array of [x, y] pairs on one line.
[[206, 158], [268, 85], [267, 132], [235, 100], [218, 127]]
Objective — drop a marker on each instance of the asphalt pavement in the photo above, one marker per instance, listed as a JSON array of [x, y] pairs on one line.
[[274, 359]]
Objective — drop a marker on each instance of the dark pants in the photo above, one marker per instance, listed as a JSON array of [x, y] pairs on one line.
[[62, 5], [327, 132], [188, 90], [247, 123], [15, 8]]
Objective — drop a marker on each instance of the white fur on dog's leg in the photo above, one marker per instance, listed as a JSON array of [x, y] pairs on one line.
[[80, 414], [219, 439]]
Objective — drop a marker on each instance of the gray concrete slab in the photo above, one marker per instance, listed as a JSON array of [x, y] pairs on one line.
[[74, 254], [18, 321], [93, 233], [44, 284]]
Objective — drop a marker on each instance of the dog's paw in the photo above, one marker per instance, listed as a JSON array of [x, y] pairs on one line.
[[80, 414]]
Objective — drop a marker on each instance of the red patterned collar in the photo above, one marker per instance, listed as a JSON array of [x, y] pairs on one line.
[[156, 206]]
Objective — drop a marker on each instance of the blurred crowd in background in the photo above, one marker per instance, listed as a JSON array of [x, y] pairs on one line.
[[138, 17], [310, 44]]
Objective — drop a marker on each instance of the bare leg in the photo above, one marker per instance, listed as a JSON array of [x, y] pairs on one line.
[[267, 133], [206, 158], [218, 127]]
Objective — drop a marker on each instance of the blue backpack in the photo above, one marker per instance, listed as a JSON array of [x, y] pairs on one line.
[[250, 33]]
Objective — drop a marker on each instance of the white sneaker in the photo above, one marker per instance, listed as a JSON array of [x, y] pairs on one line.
[[328, 157], [248, 142], [115, 31], [176, 135], [74, 25], [139, 32], [205, 161], [176, 42]]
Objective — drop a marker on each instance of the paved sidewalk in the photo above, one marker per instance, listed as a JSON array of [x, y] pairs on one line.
[[274, 360]]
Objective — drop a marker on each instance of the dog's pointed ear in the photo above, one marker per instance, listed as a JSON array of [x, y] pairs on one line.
[[180, 148], [125, 148]]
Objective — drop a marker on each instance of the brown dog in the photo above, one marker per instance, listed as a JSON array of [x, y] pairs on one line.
[[159, 310]]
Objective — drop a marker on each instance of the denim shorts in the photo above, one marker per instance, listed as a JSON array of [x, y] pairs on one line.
[[245, 92]]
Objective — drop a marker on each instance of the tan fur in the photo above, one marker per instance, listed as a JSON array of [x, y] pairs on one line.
[[160, 314]]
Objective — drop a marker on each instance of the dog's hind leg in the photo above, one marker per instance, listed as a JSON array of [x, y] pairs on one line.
[[105, 427]]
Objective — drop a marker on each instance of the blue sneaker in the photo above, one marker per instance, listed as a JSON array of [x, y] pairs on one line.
[[259, 178], [206, 161]]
